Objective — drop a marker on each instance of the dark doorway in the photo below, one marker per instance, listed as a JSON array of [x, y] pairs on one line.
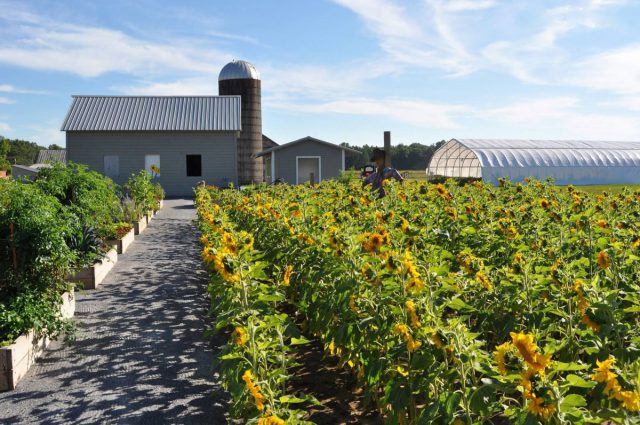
[[194, 165]]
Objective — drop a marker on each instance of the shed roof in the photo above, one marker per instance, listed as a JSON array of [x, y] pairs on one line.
[[268, 142], [551, 153], [306, 140], [51, 155], [153, 113]]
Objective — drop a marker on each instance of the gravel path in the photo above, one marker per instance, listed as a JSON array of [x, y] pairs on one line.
[[140, 356]]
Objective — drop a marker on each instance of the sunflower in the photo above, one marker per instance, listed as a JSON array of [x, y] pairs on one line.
[[411, 309], [499, 354], [286, 277], [484, 280], [603, 260], [528, 350], [271, 419], [258, 398], [240, 336]]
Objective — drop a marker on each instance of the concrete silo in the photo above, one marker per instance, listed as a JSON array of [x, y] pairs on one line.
[[242, 78]]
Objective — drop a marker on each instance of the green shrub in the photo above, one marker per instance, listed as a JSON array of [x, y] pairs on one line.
[[91, 196], [159, 193], [35, 259], [119, 230], [141, 190]]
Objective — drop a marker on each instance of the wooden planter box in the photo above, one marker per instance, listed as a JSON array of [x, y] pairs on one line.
[[121, 245], [140, 225], [93, 276], [160, 205], [149, 216], [17, 358]]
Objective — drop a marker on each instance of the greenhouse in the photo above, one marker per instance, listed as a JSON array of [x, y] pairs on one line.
[[567, 161]]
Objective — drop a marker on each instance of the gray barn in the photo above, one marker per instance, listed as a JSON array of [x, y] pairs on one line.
[[190, 138], [296, 162]]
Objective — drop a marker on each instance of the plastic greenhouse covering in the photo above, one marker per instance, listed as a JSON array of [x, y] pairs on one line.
[[568, 162]]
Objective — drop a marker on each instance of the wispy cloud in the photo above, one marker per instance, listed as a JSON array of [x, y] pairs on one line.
[[529, 58], [616, 70], [562, 117], [405, 37], [5, 127], [8, 88], [5, 100], [411, 111], [90, 51], [466, 5]]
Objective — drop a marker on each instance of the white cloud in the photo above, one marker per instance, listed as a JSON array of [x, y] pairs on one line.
[[410, 39], [47, 134], [617, 71], [411, 111], [561, 118], [181, 87], [465, 5], [8, 88], [5, 127], [5, 100], [88, 51], [629, 103]]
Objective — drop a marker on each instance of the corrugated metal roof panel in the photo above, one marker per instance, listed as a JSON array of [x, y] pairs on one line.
[[154, 113], [51, 155], [553, 153]]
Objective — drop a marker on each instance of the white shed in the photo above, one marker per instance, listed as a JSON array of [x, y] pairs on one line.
[[568, 161]]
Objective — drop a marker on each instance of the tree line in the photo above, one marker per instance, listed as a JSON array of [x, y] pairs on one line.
[[23, 152], [415, 156]]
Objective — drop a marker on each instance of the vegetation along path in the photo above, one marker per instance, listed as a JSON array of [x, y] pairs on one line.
[[140, 356]]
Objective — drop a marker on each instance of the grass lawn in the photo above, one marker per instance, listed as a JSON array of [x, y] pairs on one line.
[[414, 175], [611, 188]]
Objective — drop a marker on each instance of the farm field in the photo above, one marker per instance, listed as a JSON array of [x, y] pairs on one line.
[[475, 304]]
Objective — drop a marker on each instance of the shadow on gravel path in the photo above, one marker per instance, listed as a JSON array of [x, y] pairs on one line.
[[140, 356]]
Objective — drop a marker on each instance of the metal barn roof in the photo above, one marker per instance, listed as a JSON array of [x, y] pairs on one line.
[[153, 113], [51, 155], [306, 140]]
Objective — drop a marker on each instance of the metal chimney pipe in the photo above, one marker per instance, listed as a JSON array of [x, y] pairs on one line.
[[387, 149]]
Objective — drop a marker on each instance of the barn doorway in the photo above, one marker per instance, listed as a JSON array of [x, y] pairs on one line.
[[308, 168]]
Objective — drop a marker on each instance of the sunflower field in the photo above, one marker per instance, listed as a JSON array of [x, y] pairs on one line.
[[449, 304]]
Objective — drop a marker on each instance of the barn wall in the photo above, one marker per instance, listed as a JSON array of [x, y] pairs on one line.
[[331, 161], [218, 150]]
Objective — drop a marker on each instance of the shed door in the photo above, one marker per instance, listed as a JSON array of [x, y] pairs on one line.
[[305, 166], [112, 166]]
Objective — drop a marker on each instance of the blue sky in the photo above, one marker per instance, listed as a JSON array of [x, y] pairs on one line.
[[339, 70]]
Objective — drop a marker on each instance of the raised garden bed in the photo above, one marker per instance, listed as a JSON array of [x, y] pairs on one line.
[[17, 358], [140, 225], [93, 276], [123, 243]]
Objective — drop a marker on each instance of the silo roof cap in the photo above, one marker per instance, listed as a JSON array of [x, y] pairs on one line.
[[239, 70]]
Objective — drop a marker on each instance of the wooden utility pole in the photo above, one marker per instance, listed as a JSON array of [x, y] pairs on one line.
[[387, 149]]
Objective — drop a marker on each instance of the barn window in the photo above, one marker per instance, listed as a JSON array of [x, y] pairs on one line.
[[194, 165], [112, 166]]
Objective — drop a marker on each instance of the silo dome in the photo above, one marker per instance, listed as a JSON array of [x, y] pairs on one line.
[[239, 70]]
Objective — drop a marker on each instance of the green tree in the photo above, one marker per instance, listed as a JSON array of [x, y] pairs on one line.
[[23, 152], [4, 151], [415, 156]]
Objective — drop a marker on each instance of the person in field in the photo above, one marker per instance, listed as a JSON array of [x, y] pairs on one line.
[[382, 173]]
